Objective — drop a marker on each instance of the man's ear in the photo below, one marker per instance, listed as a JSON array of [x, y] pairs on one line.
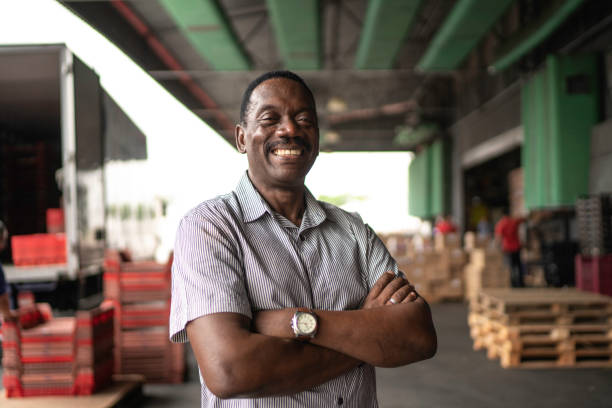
[[240, 139]]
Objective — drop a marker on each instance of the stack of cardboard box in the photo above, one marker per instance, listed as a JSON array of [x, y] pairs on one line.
[[486, 267], [436, 273]]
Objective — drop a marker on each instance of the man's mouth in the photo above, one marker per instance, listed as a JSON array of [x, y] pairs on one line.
[[287, 152]]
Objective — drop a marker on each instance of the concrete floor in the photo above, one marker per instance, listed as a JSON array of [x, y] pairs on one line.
[[456, 377]]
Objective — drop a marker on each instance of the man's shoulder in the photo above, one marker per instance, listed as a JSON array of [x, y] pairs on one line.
[[218, 208], [341, 216]]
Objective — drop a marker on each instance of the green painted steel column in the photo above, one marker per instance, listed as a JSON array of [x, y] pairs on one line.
[[437, 182], [418, 186], [528, 152], [560, 105]]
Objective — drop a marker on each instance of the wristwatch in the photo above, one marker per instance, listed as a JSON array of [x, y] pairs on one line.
[[304, 324]]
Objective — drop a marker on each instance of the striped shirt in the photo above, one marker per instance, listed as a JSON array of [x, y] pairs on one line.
[[234, 253]]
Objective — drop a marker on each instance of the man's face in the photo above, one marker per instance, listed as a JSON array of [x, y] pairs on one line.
[[281, 134]]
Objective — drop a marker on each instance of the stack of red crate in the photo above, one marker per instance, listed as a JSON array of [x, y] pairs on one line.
[[141, 292], [43, 355], [95, 339], [55, 220], [38, 249]]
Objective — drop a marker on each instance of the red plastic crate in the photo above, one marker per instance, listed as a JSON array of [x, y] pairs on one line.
[[55, 220], [594, 273], [38, 249]]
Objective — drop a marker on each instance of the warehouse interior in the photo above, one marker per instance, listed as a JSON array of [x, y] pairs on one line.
[[505, 106]]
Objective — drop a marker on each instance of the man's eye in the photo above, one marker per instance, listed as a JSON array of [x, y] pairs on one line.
[[305, 120]]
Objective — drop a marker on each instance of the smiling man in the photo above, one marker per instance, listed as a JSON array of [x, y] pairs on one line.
[[288, 301]]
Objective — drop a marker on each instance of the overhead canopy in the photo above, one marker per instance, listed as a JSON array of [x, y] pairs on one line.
[[359, 57]]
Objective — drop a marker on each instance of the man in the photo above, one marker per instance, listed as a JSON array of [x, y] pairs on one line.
[[507, 234], [288, 301], [5, 310]]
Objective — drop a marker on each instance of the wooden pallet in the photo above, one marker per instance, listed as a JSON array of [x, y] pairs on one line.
[[543, 328], [551, 355], [543, 300], [543, 306]]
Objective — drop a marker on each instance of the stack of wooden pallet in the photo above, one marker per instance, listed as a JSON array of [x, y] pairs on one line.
[[140, 292], [543, 327]]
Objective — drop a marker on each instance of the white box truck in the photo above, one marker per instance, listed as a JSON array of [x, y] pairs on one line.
[[52, 151]]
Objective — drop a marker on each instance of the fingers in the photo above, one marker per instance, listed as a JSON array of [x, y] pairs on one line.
[[412, 296], [380, 284], [404, 294], [393, 287], [390, 289]]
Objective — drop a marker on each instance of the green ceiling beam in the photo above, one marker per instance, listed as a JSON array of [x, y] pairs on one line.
[[206, 27], [386, 25], [296, 25], [534, 34], [464, 27]]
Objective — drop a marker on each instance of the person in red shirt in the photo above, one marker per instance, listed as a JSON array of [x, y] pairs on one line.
[[445, 225], [506, 232]]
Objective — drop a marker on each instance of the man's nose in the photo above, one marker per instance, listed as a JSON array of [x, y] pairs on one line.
[[288, 127]]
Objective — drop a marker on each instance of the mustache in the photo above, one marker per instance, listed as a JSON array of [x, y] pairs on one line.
[[286, 143]]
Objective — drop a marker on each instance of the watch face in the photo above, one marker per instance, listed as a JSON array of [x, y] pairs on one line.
[[306, 323]]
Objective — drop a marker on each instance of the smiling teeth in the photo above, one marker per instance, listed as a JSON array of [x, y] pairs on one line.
[[287, 152]]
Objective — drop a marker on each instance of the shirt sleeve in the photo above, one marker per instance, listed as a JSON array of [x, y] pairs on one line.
[[207, 274], [378, 258]]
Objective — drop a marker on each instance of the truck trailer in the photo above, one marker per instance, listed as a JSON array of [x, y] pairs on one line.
[[54, 138]]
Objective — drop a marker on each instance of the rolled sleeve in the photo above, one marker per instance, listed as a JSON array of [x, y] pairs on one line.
[[207, 275]]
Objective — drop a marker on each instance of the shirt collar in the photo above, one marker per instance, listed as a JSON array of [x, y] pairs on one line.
[[252, 203], [254, 206]]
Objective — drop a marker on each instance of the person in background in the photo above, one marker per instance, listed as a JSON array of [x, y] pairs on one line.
[[507, 235], [5, 309], [445, 225], [478, 212], [288, 301]]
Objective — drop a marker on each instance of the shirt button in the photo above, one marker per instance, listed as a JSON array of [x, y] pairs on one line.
[[302, 238], [340, 401]]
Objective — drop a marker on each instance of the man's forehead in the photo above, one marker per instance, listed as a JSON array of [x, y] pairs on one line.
[[281, 87]]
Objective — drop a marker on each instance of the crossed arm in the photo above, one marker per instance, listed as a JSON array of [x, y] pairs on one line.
[[243, 358]]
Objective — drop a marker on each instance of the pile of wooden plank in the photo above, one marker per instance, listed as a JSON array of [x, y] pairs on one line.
[[140, 292], [543, 327]]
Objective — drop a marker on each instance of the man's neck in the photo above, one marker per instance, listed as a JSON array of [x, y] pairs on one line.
[[288, 202]]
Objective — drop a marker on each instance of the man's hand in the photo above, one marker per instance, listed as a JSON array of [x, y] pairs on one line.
[[390, 289]]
